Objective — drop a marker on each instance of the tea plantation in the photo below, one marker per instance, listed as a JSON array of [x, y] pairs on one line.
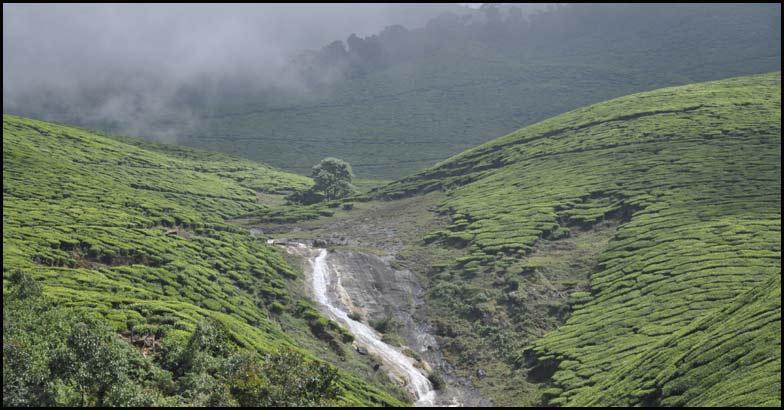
[[683, 304], [123, 246]]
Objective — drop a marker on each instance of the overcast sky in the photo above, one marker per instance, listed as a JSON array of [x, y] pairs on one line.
[[56, 42], [87, 63]]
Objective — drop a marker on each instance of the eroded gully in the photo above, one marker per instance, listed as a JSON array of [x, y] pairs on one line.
[[326, 288]]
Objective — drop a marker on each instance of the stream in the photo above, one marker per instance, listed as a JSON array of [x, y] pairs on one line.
[[323, 281]]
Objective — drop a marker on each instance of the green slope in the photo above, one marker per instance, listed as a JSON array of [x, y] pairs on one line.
[[87, 217], [406, 116], [682, 306]]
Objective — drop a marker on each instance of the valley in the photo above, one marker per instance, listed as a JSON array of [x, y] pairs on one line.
[[490, 270], [503, 205]]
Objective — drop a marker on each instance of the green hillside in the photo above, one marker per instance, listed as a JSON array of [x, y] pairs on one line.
[[458, 85], [133, 235], [641, 236]]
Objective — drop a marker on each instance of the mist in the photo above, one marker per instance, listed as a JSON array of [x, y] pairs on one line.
[[128, 67]]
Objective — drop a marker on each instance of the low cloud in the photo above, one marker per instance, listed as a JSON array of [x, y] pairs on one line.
[[130, 66]]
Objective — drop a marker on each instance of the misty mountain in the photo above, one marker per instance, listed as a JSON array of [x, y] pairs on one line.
[[389, 102], [405, 99], [129, 67]]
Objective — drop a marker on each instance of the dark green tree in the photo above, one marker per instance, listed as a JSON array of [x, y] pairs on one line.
[[333, 178], [284, 379], [59, 356], [25, 286]]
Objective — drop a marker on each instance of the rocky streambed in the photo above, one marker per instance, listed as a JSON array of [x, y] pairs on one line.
[[355, 288]]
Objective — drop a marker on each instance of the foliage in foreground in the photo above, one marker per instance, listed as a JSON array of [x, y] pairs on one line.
[[56, 356]]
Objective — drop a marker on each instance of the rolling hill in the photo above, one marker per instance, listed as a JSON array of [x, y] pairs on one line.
[[624, 253], [131, 237], [618, 245]]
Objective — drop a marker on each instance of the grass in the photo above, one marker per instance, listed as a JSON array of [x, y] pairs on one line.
[[670, 202], [135, 233]]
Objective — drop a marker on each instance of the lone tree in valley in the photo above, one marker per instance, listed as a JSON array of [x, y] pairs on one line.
[[333, 178]]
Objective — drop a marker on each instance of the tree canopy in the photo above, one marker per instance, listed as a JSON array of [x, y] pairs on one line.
[[333, 178], [61, 356]]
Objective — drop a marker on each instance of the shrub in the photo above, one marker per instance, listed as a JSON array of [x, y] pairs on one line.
[[437, 379], [385, 324]]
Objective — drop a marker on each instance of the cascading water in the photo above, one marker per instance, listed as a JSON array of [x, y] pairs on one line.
[[368, 337]]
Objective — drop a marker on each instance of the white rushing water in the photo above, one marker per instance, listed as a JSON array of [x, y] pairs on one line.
[[368, 337]]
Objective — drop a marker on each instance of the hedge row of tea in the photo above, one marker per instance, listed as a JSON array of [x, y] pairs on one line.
[[683, 308], [135, 233]]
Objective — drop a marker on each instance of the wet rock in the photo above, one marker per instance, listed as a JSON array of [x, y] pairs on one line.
[[372, 283], [361, 350]]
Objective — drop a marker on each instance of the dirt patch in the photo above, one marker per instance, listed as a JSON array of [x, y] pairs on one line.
[[383, 228]]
